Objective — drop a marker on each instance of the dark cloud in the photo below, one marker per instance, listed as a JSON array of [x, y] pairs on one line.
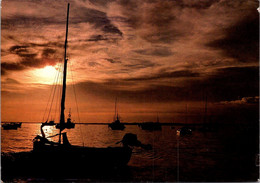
[[48, 52], [159, 21], [199, 4], [93, 64], [111, 29], [10, 81], [241, 40], [27, 59], [98, 18], [229, 83], [78, 15], [97, 38], [224, 84], [140, 64], [161, 52], [18, 49], [55, 44], [168, 75], [112, 61], [11, 66], [101, 2], [23, 21], [155, 20]]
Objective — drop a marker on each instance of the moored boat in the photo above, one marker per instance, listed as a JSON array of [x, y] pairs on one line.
[[116, 125], [184, 131], [151, 126], [11, 126]]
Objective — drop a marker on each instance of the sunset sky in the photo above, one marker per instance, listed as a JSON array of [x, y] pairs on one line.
[[155, 56]]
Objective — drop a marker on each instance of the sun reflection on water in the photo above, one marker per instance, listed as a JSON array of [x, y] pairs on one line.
[[49, 132]]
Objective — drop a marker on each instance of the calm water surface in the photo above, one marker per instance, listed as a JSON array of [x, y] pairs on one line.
[[226, 155]]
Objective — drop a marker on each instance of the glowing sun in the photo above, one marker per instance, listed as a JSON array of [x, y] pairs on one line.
[[45, 75]]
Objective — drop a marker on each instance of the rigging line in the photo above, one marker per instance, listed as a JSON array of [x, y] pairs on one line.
[[56, 106], [55, 86], [60, 89], [53, 96], [52, 88], [74, 90]]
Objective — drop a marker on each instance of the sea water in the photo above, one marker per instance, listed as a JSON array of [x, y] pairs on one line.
[[227, 154]]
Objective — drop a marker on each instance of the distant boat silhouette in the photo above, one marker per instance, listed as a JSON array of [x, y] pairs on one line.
[[19, 124], [116, 125], [11, 126], [151, 126], [185, 130]]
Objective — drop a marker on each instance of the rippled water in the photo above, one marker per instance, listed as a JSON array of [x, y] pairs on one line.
[[216, 156]]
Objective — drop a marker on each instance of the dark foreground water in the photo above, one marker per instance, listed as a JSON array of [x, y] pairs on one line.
[[228, 154]]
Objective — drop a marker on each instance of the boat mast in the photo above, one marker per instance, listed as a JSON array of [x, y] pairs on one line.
[[62, 118], [206, 106], [116, 115], [186, 114]]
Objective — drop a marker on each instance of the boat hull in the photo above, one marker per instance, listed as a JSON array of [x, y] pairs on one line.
[[72, 159], [11, 126], [150, 126], [116, 126], [66, 125], [109, 156]]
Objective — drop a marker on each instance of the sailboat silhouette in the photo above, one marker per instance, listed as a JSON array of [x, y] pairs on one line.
[[63, 150], [116, 125], [49, 157]]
